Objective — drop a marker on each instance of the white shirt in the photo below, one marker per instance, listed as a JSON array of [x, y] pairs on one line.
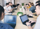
[[37, 26], [7, 8]]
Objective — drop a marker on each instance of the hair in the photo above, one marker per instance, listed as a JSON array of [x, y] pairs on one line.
[[29, 2], [1, 10], [7, 3], [10, 2], [32, 4], [38, 2]]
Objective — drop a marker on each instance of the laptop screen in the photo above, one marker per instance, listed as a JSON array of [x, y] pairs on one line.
[[9, 18], [24, 18]]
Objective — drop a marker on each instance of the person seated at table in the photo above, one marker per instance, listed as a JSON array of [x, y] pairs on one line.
[[37, 25], [3, 25], [29, 5], [32, 9], [12, 6], [7, 8]]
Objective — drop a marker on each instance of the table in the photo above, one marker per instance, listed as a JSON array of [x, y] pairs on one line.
[[19, 24]]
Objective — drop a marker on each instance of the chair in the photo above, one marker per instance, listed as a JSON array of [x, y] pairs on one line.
[[10, 19]]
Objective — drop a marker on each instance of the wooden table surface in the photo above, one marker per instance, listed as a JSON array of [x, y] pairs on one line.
[[19, 24]]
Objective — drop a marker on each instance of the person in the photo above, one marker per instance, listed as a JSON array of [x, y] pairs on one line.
[[29, 5], [37, 25], [3, 25], [10, 4], [7, 9], [32, 9]]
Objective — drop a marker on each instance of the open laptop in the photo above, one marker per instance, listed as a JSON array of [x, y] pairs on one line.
[[25, 19], [11, 20]]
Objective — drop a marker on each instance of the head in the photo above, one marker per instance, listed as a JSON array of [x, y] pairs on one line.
[[32, 4], [37, 2], [7, 4], [29, 3], [10, 3], [38, 9], [1, 13]]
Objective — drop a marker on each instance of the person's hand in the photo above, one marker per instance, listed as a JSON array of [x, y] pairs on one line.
[[30, 14], [32, 21], [27, 23]]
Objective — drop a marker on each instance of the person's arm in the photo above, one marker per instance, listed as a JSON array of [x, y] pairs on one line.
[[6, 10], [12, 9], [29, 25]]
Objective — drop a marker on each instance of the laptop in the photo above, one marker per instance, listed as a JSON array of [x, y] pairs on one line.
[[10, 19], [14, 5], [24, 19]]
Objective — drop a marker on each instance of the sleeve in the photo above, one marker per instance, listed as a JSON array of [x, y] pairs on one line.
[[37, 25], [9, 8], [10, 27]]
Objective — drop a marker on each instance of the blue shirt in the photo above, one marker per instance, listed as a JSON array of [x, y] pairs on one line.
[[32, 9], [5, 26]]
